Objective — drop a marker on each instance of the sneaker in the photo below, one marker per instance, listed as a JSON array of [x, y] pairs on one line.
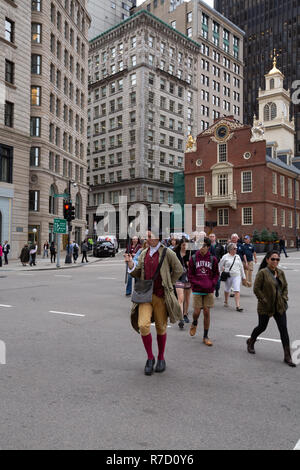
[[232, 294], [239, 309], [181, 324], [186, 319], [193, 329], [207, 341]]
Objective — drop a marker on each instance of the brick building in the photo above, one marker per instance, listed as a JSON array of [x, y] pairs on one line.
[[242, 188]]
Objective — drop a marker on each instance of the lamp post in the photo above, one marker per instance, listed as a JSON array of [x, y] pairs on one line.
[[34, 230], [68, 259]]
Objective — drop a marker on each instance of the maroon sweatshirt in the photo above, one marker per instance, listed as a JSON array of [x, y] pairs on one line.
[[204, 275]]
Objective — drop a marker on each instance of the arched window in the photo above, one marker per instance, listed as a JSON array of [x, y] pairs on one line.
[[273, 111], [270, 112], [78, 206], [52, 200], [266, 113], [272, 84]]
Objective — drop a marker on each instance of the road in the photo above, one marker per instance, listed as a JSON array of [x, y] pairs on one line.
[[74, 378]]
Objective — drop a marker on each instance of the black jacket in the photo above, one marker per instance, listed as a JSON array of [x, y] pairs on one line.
[[217, 251]]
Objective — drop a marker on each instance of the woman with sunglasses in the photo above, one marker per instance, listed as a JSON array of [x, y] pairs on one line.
[[271, 290]]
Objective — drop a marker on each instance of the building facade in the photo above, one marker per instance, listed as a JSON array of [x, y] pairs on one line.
[[221, 62], [143, 103], [15, 69], [268, 25], [244, 176], [58, 116], [107, 13]]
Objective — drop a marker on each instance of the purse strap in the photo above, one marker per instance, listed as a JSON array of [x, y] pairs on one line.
[[232, 264]]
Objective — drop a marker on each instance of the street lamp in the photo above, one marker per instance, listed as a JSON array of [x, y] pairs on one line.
[[34, 230], [68, 259]]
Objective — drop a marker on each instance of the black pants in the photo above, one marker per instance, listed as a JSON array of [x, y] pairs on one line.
[[281, 321], [5, 258], [53, 256], [84, 257]]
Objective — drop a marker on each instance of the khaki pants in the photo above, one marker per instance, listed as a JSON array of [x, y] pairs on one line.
[[248, 273], [157, 309]]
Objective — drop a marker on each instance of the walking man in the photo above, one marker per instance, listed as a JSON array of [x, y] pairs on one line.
[[282, 247], [218, 251], [84, 250], [161, 264], [203, 276], [6, 250], [249, 256]]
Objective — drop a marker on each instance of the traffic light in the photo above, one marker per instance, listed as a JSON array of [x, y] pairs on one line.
[[67, 206], [72, 213]]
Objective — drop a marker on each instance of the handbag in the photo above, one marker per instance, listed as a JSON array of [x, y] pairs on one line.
[[143, 289], [226, 275]]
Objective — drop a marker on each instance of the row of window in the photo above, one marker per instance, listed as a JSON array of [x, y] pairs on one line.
[[282, 186], [114, 177], [117, 159], [223, 184], [223, 216], [34, 203], [56, 17], [68, 86], [68, 59]]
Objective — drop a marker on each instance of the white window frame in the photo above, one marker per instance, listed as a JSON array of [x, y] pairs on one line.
[[275, 217], [243, 216], [197, 187], [243, 183], [221, 213]]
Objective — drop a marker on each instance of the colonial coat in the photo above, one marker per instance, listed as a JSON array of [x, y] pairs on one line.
[[170, 272]]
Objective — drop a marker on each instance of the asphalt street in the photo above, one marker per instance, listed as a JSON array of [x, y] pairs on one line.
[[74, 377]]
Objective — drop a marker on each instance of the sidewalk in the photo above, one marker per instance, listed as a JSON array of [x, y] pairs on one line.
[[44, 264]]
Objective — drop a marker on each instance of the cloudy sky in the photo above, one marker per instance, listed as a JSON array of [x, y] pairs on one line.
[[210, 2]]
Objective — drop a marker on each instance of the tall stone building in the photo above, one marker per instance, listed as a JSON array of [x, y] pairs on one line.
[[107, 13], [15, 53], [269, 25], [58, 118], [143, 103], [221, 61]]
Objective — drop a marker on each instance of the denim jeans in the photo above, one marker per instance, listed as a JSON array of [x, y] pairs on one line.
[[129, 285]]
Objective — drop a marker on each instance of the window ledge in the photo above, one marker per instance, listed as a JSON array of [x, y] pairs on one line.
[[8, 43], [10, 85], [11, 3]]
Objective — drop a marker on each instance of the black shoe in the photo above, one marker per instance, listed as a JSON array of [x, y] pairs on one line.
[[186, 319], [149, 367], [217, 293], [161, 365], [181, 324]]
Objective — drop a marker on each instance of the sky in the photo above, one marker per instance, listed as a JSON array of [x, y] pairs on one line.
[[210, 2]]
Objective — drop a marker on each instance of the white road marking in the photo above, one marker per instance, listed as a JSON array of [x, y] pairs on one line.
[[297, 446], [262, 339], [66, 313], [6, 306], [106, 278], [62, 275]]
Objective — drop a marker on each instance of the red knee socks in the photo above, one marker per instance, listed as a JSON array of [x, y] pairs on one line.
[[147, 340], [161, 341]]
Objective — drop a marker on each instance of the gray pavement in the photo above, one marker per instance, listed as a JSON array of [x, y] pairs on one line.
[[74, 378]]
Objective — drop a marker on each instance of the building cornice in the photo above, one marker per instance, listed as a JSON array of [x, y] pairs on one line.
[[142, 17]]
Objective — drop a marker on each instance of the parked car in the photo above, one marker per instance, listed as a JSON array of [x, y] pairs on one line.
[[110, 238], [104, 248]]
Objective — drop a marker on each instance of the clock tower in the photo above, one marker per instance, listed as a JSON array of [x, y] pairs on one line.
[[274, 112]]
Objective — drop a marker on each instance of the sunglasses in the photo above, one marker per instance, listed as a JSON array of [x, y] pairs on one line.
[[275, 259]]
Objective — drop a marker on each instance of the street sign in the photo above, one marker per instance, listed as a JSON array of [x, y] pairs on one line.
[[65, 195], [60, 226]]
